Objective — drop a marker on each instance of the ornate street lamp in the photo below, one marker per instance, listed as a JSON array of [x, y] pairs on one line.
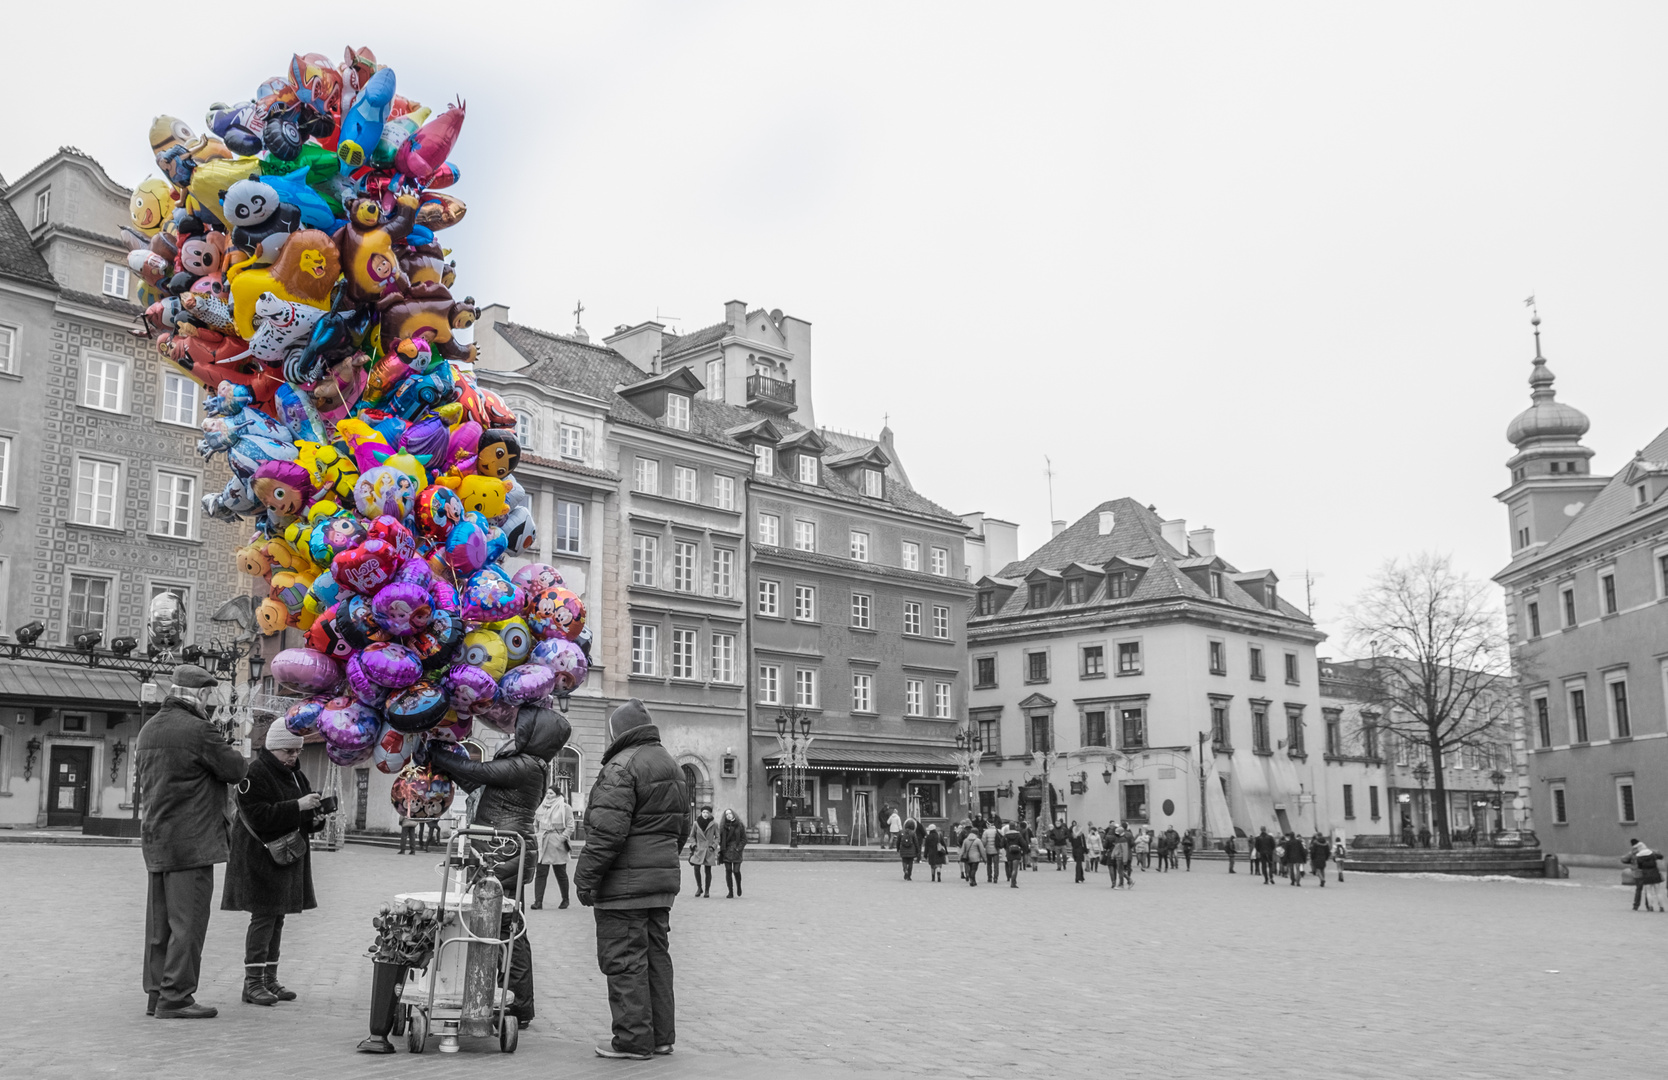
[[793, 735], [970, 745]]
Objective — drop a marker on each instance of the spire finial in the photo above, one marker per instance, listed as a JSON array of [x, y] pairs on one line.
[[1535, 321]]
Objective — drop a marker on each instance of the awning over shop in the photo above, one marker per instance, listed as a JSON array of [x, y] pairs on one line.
[[51, 683], [828, 759]]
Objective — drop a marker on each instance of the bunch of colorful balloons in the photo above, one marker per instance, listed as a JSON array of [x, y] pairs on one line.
[[290, 264]]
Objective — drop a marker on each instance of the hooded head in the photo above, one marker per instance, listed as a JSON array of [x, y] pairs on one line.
[[540, 732], [627, 717]]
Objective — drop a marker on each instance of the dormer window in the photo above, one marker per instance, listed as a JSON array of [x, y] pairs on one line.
[[1216, 584], [1117, 587], [807, 469], [1074, 591], [987, 603], [764, 459], [677, 412], [43, 206], [874, 484], [1038, 596], [1640, 496], [1273, 597]]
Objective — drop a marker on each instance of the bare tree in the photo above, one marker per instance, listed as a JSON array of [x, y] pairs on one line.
[[1440, 658]]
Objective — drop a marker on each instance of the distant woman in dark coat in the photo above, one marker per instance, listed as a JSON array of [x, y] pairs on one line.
[[936, 852], [273, 800], [703, 850], [908, 848], [732, 838]]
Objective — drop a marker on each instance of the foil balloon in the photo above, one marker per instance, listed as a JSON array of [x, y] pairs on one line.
[[302, 718], [537, 577], [490, 596], [392, 750], [323, 636], [556, 612], [391, 665], [527, 683], [466, 546], [401, 609], [366, 568], [437, 644], [415, 572], [438, 511], [394, 534], [356, 623], [420, 793], [501, 715], [347, 757], [486, 650], [565, 660], [418, 707], [348, 724], [307, 670], [468, 687], [458, 729], [518, 639]]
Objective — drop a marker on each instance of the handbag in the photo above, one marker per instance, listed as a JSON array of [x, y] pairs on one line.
[[286, 850]]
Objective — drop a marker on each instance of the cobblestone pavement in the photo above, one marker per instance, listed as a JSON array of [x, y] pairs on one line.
[[843, 969]]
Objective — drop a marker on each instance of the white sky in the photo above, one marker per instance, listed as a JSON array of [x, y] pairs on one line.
[[1260, 265]]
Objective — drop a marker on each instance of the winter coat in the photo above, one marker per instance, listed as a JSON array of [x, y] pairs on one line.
[[990, 840], [269, 800], [972, 849], [908, 846], [1187, 843], [1079, 847], [512, 783], [183, 765], [1263, 844], [732, 838], [553, 824], [703, 842], [1319, 852], [935, 849], [637, 815], [1646, 862]]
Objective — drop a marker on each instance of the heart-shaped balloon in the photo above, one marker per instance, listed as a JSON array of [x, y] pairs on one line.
[[395, 534], [366, 568]]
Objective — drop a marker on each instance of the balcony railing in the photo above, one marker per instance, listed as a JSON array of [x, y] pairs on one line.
[[766, 391]]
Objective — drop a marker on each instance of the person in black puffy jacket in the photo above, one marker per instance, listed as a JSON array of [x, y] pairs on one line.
[[635, 820], [513, 782]]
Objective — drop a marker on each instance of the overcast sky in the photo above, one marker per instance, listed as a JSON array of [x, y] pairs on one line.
[[1259, 265]]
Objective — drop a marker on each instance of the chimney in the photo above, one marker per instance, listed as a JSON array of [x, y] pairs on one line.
[[1106, 520], [1059, 527], [1174, 532], [1203, 541], [735, 316], [491, 351]]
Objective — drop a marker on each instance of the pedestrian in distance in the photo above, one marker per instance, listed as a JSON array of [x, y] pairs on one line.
[[894, 826], [1096, 848], [409, 840], [1161, 847], [703, 850], [1263, 845], [1187, 850], [1059, 838], [1424, 836], [274, 803], [936, 852], [553, 825], [1319, 852], [1172, 844], [732, 840], [182, 764], [1338, 850], [1030, 838], [1079, 851], [1294, 858], [512, 786], [1143, 849], [635, 819], [1231, 847], [1647, 874], [920, 840], [972, 854], [1013, 848], [907, 850], [992, 840]]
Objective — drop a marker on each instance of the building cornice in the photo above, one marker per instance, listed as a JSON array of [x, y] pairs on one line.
[[791, 557], [992, 630]]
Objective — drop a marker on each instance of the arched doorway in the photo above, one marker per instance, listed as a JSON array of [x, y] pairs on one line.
[[697, 786], [567, 775]]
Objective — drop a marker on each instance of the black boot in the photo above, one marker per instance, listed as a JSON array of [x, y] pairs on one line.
[[255, 991], [272, 984]]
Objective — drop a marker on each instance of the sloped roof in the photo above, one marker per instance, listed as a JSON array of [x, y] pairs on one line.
[[677, 346], [1610, 508], [18, 257], [66, 683]]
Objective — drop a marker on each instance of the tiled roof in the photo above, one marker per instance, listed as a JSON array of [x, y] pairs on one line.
[[567, 466], [108, 303], [87, 234], [1611, 507], [676, 346], [18, 257], [1137, 534]]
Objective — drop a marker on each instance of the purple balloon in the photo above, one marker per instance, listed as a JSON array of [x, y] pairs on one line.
[[490, 596], [426, 438], [500, 714], [347, 758], [528, 682], [415, 572], [401, 609], [348, 724], [307, 670], [303, 717], [566, 661], [468, 688], [466, 546], [391, 665]]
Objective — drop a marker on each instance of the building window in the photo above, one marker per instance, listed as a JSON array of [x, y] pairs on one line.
[[1129, 658], [8, 350], [1624, 800], [645, 476], [874, 485], [770, 685], [179, 399], [1132, 728], [1294, 733], [941, 700], [89, 601], [1218, 658], [1534, 619], [1543, 721], [1135, 802], [1291, 668], [1369, 738], [860, 611], [715, 379], [645, 642], [1216, 584], [911, 555], [1094, 728], [95, 492], [43, 206], [1259, 729], [723, 658], [941, 622], [685, 556], [645, 559], [570, 441], [860, 546], [990, 735], [1607, 588], [724, 492], [524, 429], [1219, 725], [770, 598], [805, 603], [1117, 586], [5, 471], [1560, 808], [1578, 713], [807, 469], [912, 617], [115, 281], [941, 561], [1042, 734], [1349, 803], [1334, 734], [914, 697], [1037, 595], [1257, 663], [1036, 667], [862, 692], [570, 526], [104, 381], [723, 567], [686, 484], [1640, 498], [677, 412], [1094, 661], [683, 654], [805, 688], [1569, 607], [1620, 722], [984, 672], [986, 604], [1372, 801], [1074, 591], [770, 530], [764, 459], [805, 536], [176, 504]]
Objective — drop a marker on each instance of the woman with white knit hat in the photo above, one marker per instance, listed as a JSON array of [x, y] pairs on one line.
[[270, 873]]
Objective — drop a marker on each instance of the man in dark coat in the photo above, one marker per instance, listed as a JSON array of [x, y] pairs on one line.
[[512, 784], [183, 764], [1262, 845], [635, 819]]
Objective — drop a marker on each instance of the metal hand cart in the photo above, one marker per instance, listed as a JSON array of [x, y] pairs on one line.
[[442, 999]]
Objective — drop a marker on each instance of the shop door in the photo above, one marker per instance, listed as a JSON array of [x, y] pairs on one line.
[[860, 817], [71, 785]]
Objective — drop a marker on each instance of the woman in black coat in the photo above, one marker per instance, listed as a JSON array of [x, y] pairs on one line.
[[273, 801], [732, 838]]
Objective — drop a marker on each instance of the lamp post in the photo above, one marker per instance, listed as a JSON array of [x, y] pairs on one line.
[[969, 745], [793, 734], [1498, 778], [1422, 773]]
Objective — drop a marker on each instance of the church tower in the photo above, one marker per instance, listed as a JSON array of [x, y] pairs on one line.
[[1551, 475]]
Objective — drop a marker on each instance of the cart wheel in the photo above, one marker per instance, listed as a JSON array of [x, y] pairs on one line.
[[418, 1036], [399, 1021], [509, 1032]]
